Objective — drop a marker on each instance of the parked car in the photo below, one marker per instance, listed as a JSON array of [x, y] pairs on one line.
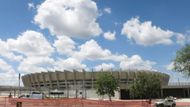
[[33, 95], [167, 102]]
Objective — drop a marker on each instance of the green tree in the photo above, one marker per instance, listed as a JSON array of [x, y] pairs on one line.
[[145, 85], [106, 84], [182, 60]]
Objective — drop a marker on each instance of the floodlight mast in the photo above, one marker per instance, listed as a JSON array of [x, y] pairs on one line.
[[19, 76]]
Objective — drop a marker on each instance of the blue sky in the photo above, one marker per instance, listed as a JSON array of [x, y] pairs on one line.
[[46, 35]]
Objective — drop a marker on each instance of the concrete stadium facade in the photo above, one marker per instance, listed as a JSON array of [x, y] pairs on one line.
[[82, 84]]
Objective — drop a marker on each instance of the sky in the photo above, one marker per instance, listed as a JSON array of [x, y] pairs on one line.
[[49, 35]]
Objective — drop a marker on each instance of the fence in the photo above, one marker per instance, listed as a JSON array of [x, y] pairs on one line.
[[6, 102], [179, 84]]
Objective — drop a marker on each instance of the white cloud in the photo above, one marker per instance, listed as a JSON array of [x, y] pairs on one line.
[[170, 66], [74, 18], [31, 6], [136, 63], [92, 51], [104, 67], [109, 35], [144, 33], [4, 67], [64, 45], [5, 51], [107, 10], [8, 78], [180, 39], [69, 64], [31, 43], [36, 55], [7, 73], [33, 64], [33, 51]]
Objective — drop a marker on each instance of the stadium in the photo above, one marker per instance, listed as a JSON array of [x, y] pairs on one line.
[[75, 84]]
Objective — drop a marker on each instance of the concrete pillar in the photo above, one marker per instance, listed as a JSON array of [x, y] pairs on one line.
[[50, 79], [33, 80], [118, 75], [66, 83], [30, 80], [184, 95], [38, 81], [161, 93], [43, 78], [127, 79], [57, 79], [75, 84], [83, 85], [92, 77], [119, 80]]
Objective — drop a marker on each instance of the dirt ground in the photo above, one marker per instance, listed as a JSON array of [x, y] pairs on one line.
[[6, 102]]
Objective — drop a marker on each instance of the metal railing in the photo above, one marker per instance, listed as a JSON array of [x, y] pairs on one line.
[[179, 84]]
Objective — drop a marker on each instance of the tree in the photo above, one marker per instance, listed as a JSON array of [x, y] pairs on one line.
[[182, 60], [106, 84], [145, 85]]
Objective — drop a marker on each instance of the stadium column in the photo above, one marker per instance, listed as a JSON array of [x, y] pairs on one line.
[[30, 81], [127, 79], [161, 93], [57, 79], [83, 84], [66, 83], [118, 77], [43, 78], [75, 84], [92, 77], [50, 79], [38, 81], [34, 82]]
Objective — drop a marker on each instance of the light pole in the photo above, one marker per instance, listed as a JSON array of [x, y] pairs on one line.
[[19, 76]]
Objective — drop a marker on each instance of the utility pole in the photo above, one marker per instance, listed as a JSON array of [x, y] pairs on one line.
[[19, 76]]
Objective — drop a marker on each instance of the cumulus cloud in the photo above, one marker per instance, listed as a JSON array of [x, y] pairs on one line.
[[31, 6], [5, 51], [4, 67], [74, 18], [91, 50], [180, 39], [35, 64], [9, 78], [64, 45], [104, 67], [135, 62], [7, 73], [30, 49], [107, 10], [69, 64], [109, 35], [31, 43], [144, 33], [36, 55], [170, 66]]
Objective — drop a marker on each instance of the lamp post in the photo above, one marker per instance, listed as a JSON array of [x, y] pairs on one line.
[[19, 84]]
